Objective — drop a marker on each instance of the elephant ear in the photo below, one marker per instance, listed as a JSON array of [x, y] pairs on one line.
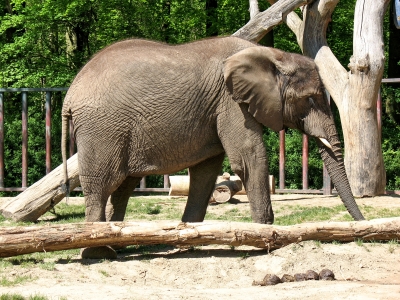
[[251, 77]]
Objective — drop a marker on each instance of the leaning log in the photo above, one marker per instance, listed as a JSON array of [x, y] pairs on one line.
[[43, 195], [22, 240]]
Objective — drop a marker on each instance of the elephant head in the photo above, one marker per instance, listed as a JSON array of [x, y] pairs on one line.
[[284, 90]]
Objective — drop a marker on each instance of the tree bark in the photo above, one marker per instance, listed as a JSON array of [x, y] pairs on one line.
[[22, 240], [261, 23], [41, 196], [355, 92]]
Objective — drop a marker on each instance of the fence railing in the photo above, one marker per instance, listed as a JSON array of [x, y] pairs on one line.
[[326, 188]]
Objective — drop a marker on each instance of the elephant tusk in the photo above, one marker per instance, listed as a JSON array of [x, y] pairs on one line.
[[326, 143]]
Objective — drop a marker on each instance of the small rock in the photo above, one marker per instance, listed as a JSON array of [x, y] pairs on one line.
[[257, 282], [326, 274], [312, 275], [271, 279], [300, 277], [287, 278]]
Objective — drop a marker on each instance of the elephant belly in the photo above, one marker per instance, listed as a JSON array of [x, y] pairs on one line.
[[171, 152]]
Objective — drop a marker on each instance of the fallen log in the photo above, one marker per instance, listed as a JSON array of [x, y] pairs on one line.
[[43, 195], [22, 240]]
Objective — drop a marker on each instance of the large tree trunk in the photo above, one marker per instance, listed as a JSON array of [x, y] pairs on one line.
[[354, 92], [22, 240]]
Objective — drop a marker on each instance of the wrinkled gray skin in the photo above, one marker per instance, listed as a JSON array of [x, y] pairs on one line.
[[141, 107]]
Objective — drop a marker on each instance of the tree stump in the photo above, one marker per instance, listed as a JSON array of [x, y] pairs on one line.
[[225, 188]]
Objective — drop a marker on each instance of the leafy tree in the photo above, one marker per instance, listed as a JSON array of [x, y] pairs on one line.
[[45, 43]]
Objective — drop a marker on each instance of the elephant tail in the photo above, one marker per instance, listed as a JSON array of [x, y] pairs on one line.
[[66, 116]]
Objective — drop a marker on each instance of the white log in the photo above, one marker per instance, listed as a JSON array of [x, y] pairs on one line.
[[179, 185], [43, 195], [22, 240]]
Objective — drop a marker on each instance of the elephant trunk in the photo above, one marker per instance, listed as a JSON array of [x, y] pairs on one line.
[[333, 160]]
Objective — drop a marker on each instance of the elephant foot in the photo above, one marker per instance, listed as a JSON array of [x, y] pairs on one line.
[[103, 252]]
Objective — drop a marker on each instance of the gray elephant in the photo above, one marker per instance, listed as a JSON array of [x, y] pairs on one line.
[[141, 107]]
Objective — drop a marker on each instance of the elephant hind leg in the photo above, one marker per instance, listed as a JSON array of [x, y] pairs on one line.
[[116, 205], [202, 184], [96, 199]]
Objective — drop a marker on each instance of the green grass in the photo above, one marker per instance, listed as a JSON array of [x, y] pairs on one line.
[[104, 273], [230, 215], [7, 281], [154, 209], [375, 213], [300, 214], [20, 297]]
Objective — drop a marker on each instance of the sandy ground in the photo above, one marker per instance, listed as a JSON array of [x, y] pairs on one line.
[[366, 271]]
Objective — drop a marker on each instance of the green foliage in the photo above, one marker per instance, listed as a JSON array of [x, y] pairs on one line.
[[45, 43]]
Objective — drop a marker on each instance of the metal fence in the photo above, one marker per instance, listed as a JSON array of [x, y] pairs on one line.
[[326, 189]]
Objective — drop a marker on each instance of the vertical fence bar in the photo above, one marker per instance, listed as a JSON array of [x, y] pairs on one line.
[[48, 132], [327, 188], [143, 183], [71, 139], [166, 181], [305, 162], [282, 159], [1, 140], [24, 139], [379, 113]]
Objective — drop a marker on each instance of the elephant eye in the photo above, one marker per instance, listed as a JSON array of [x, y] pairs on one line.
[[311, 100]]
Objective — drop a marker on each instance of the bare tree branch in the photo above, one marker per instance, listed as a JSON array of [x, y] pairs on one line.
[[317, 16], [263, 22], [294, 22], [311, 37], [254, 10]]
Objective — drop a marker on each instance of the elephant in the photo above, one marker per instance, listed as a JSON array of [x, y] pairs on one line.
[[141, 107]]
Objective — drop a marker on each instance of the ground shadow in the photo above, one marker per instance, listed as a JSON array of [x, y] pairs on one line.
[[145, 253]]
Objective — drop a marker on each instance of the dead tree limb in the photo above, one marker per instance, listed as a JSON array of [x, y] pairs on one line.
[[261, 23], [22, 240], [41, 196]]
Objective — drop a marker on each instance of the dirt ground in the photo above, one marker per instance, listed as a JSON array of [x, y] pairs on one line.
[[363, 271]]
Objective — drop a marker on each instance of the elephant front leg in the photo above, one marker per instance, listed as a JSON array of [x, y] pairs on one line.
[[202, 184], [253, 170], [247, 155]]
